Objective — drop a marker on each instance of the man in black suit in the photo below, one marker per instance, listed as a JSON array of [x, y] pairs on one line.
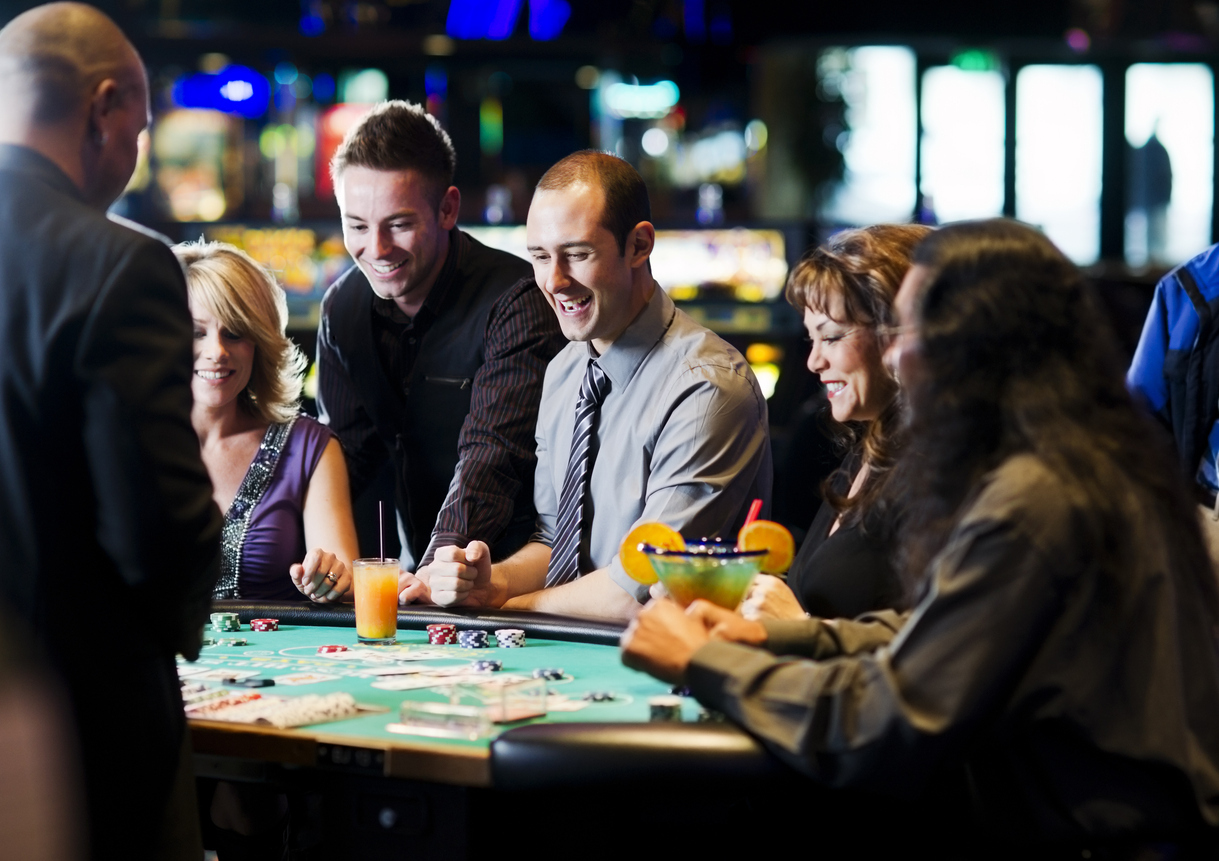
[[107, 527]]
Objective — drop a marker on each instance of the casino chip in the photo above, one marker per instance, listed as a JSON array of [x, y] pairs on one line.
[[488, 666], [599, 697], [664, 709], [442, 634], [510, 638], [472, 639], [232, 641], [225, 622], [550, 674], [264, 624], [330, 650]]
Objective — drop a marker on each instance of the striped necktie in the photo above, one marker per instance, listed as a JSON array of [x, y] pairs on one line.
[[565, 551]]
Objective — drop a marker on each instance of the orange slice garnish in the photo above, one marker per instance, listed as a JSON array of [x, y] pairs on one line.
[[770, 536], [657, 534]]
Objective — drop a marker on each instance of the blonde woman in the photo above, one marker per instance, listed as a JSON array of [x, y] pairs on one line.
[[278, 475]]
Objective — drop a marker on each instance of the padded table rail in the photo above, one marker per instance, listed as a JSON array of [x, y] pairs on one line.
[[570, 629]]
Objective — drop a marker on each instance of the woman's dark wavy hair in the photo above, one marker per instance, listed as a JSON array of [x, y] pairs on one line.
[[1015, 355], [862, 268]]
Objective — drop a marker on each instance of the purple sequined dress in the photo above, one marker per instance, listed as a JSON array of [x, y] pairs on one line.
[[264, 530]]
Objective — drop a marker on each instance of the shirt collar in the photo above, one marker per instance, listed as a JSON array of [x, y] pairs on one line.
[[628, 351], [22, 159]]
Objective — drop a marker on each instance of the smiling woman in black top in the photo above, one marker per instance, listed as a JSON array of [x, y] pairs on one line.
[[845, 290]]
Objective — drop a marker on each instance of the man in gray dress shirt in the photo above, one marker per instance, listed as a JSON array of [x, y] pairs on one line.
[[681, 437]]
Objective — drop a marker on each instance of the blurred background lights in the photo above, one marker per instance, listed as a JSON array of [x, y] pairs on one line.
[[767, 375], [963, 142], [756, 134], [975, 60], [655, 142], [363, 86], [547, 17], [285, 73], [496, 19], [877, 83], [438, 45], [718, 157], [323, 87], [710, 203], [237, 91], [213, 62], [1058, 155], [587, 77], [1170, 133], [1078, 40], [233, 90], [641, 101]]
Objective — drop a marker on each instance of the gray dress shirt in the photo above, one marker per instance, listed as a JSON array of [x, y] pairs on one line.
[[682, 437]]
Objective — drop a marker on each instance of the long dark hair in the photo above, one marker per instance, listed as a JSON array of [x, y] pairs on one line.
[[863, 268], [1014, 355]]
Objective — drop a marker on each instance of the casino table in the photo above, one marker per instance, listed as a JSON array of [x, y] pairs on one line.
[[374, 791]]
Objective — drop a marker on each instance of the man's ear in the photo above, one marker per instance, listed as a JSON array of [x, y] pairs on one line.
[[102, 103], [450, 208], [640, 242]]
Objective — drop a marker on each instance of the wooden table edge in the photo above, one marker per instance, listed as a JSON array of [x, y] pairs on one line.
[[412, 760]]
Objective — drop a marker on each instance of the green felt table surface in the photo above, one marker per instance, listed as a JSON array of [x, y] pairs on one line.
[[293, 649]]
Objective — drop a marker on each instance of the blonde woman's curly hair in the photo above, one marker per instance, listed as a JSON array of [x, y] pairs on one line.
[[244, 297]]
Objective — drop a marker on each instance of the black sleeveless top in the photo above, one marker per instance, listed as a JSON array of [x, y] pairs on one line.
[[850, 572]]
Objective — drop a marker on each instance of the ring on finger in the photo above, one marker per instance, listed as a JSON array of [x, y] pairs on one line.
[[331, 578]]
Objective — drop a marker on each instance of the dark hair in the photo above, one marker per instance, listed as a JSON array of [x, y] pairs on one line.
[[626, 196], [863, 268], [1014, 355], [398, 135]]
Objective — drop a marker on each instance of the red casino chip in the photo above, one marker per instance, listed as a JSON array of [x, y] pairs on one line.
[[442, 634], [330, 650]]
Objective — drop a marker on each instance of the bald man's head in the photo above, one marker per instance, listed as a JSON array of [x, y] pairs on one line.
[[52, 58], [75, 92]]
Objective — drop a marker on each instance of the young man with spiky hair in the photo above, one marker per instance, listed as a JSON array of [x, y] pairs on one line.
[[432, 348]]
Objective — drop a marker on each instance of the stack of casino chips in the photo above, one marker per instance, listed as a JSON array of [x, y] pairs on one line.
[[664, 708], [510, 638], [473, 639], [264, 624], [488, 666], [225, 622], [442, 635]]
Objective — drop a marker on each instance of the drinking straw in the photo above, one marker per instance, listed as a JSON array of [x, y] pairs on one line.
[[754, 510], [381, 524]]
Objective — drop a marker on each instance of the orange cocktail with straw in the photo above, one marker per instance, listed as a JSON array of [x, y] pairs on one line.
[[376, 588]]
